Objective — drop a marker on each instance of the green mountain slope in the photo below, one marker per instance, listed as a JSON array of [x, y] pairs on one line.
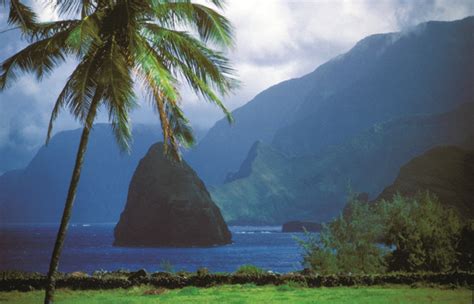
[[428, 69], [447, 171], [279, 188]]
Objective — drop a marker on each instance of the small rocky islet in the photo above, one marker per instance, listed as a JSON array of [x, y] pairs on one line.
[[168, 205]]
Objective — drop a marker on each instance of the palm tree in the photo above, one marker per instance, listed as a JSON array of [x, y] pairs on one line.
[[119, 43]]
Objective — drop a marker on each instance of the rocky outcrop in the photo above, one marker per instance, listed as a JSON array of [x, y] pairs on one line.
[[168, 205], [298, 226], [447, 171]]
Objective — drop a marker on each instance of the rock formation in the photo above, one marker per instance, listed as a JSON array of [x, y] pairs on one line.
[[168, 205]]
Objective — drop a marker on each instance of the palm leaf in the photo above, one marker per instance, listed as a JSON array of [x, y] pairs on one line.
[[39, 57], [211, 26], [78, 92], [21, 15], [203, 69], [119, 95]]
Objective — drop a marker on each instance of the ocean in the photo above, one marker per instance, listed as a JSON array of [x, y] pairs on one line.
[[88, 248]]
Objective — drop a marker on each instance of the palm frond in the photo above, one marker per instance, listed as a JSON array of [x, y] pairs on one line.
[[85, 33], [210, 25], [114, 38], [218, 3], [45, 30], [21, 15], [76, 7], [39, 57], [203, 69], [119, 96], [77, 93], [162, 92]]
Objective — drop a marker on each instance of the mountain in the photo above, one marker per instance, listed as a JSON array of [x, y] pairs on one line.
[[37, 193], [295, 149], [446, 171], [272, 188], [428, 69], [13, 158], [226, 145], [169, 206]]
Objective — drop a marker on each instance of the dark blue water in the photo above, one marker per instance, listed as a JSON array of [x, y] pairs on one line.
[[89, 248]]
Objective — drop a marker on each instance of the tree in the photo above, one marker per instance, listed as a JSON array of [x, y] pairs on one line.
[[119, 43], [348, 244], [424, 234], [419, 234], [464, 247]]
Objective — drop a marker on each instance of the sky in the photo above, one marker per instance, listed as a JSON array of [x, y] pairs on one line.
[[275, 40]]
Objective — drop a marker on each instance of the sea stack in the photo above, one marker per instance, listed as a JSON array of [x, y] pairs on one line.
[[168, 205]]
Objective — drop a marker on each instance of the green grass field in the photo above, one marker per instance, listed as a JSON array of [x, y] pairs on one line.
[[250, 294]]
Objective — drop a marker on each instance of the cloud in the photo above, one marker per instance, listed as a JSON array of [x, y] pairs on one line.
[[275, 40]]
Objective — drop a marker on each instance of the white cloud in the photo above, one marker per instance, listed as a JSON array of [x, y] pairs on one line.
[[45, 10]]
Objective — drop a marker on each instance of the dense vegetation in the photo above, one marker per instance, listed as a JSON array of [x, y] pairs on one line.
[[419, 235]]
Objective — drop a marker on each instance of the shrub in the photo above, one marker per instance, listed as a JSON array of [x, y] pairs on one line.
[[316, 255], [203, 271], [250, 270], [424, 234], [347, 244], [465, 247]]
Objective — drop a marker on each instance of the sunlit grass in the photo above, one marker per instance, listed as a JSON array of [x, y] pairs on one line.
[[250, 294]]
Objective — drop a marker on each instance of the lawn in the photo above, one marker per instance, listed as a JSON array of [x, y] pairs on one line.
[[250, 294]]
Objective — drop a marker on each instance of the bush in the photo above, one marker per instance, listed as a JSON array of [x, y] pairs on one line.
[[203, 271], [423, 236], [249, 270], [347, 244], [316, 255], [465, 247]]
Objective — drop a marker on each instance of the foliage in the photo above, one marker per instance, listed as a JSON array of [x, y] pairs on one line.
[[422, 234], [347, 244], [155, 44], [250, 270], [316, 255], [203, 271], [465, 247]]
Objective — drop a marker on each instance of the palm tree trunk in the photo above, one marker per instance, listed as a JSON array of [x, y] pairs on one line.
[[71, 195]]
